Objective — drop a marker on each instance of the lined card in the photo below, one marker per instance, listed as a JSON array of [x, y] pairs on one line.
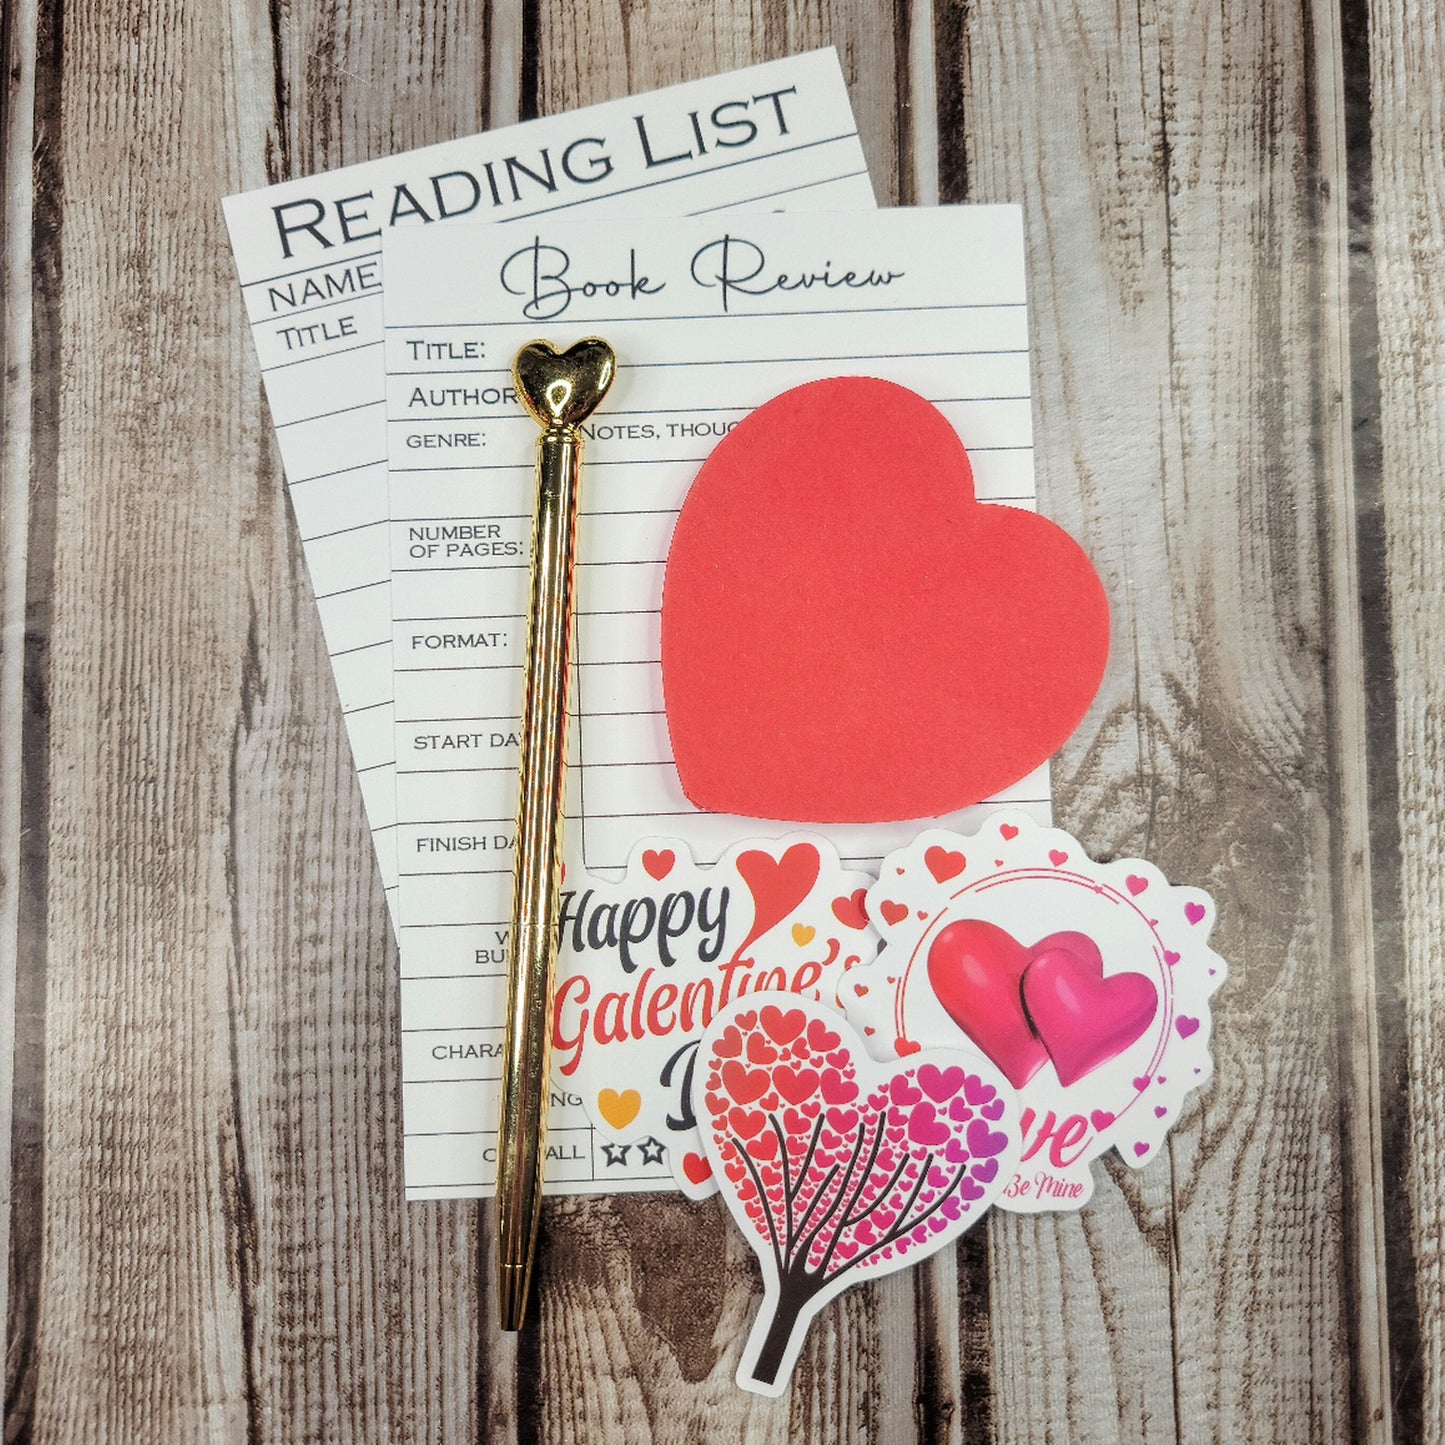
[[705, 340], [775, 136]]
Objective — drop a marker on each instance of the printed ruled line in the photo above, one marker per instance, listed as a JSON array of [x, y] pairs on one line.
[[339, 472], [341, 261], [344, 531], [521, 616], [322, 415], [319, 356], [699, 174], [407, 928], [512, 666], [735, 361], [526, 566], [360, 587], [786, 191], [581, 766], [521, 416], [459, 1028], [281, 318], [418, 721]]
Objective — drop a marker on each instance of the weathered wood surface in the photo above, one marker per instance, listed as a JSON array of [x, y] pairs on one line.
[[202, 1132]]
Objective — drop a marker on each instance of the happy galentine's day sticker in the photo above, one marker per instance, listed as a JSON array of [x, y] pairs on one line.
[[838, 1168], [1087, 984], [645, 964]]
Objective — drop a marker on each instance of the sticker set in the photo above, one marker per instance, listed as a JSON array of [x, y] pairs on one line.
[[820, 948]]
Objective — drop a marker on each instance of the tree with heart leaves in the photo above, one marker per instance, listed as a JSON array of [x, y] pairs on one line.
[[839, 1167]]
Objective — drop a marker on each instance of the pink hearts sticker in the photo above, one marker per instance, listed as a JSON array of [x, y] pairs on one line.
[[1076, 979]]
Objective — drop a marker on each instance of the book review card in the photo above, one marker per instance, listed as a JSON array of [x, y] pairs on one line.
[[710, 317], [775, 136]]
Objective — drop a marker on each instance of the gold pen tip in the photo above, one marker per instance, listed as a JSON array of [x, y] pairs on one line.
[[512, 1283]]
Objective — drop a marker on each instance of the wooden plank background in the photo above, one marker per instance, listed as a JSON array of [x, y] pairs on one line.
[[1236, 225]]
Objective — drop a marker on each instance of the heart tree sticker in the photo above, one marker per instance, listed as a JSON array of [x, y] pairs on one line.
[[1087, 984], [646, 962], [836, 1168], [849, 635]]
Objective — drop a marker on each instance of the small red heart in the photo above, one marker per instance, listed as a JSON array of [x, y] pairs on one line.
[[696, 1168], [782, 1027], [658, 864], [824, 671], [744, 1084], [1057, 858], [778, 885], [795, 1085], [944, 864], [894, 912], [850, 911], [1008, 832]]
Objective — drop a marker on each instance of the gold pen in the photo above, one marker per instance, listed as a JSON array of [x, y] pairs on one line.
[[561, 391]]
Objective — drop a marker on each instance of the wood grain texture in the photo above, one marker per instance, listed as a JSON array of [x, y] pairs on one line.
[[1407, 45], [1165, 158], [206, 1234]]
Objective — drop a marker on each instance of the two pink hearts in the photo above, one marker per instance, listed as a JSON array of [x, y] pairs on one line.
[[1025, 1007]]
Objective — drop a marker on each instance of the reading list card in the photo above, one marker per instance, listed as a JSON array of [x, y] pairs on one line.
[[775, 136]]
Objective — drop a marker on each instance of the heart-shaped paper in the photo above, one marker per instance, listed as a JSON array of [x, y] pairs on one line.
[[858, 1169], [562, 388], [849, 636]]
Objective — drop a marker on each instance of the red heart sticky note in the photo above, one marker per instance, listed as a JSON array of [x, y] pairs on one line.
[[849, 636]]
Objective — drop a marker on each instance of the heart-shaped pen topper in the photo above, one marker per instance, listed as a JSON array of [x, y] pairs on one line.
[[562, 388], [849, 636]]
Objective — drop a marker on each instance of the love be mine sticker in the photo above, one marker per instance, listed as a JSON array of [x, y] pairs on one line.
[[646, 962], [1086, 984]]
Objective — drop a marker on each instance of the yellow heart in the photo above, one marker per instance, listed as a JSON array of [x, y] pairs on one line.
[[802, 934], [562, 388], [619, 1109]]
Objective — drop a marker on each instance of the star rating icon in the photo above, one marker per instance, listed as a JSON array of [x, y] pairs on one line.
[[616, 1154], [651, 1151]]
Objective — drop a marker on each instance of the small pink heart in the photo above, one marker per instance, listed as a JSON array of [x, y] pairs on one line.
[[1101, 1119], [1142, 1082], [1141, 1150], [940, 1084], [982, 1141], [924, 1126], [1083, 1018], [1135, 884], [1160, 1111], [1186, 1025], [1194, 912], [1170, 957], [1057, 858]]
